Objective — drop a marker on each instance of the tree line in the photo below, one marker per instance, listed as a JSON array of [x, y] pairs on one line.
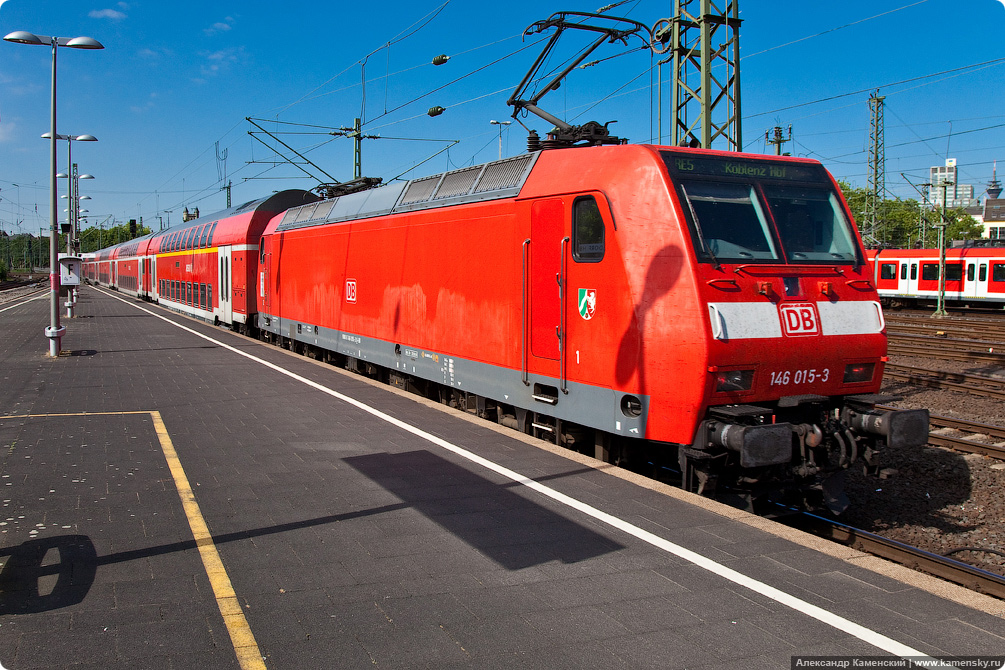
[[905, 224], [24, 253]]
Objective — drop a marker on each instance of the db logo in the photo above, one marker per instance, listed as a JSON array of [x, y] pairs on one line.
[[799, 319], [350, 290]]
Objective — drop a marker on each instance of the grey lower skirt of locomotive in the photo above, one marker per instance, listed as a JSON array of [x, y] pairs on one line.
[[797, 452]]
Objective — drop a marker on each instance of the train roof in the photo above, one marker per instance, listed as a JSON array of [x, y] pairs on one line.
[[489, 181], [234, 229]]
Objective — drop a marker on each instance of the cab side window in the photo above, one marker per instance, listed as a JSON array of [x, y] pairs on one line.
[[587, 231]]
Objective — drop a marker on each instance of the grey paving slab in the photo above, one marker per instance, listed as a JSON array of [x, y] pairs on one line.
[[351, 543]]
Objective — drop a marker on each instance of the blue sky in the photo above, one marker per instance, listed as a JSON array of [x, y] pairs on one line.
[[177, 78]]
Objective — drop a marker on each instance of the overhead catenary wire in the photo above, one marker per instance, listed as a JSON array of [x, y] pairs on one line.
[[310, 95]]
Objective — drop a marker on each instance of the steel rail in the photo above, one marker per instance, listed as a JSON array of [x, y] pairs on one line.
[[958, 572], [945, 348], [960, 443], [967, 446], [957, 381]]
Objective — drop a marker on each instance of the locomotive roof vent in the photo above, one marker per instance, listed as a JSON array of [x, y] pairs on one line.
[[491, 181], [498, 179]]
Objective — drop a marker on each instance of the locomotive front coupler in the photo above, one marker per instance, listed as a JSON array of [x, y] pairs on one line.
[[900, 427], [748, 431]]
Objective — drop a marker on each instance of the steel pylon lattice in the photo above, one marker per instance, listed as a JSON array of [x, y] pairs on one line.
[[876, 188], [705, 39]]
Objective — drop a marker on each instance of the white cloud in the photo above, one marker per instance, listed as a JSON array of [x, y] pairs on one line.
[[220, 61], [112, 14], [220, 26]]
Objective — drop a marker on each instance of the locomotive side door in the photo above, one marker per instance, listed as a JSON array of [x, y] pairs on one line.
[[547, 224], [264, 260], [591, 287], [224, 285]]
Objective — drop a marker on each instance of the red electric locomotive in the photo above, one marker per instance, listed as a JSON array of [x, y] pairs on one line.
[[712, 309]]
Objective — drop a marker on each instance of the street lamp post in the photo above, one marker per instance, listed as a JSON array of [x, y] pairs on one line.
[[71, 177], [54, 331], [500, 124]]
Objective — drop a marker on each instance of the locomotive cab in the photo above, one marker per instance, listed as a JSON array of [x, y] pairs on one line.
[[797, 338]]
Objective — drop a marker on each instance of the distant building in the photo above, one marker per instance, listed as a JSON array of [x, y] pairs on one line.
[[994, 218], [956, 194], [993, 214]]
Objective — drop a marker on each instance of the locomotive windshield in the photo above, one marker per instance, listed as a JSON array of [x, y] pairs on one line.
[[750, 211]]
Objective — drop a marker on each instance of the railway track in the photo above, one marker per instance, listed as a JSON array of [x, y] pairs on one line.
[[964, 444], [967, 328], [946, 568], [938, 437], [982, 385], [17, 283], [950, 349]]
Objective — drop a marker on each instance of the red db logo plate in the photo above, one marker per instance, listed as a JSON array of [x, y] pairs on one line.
[[799, 319]]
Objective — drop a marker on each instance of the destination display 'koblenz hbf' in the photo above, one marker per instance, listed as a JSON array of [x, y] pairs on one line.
[[711, 312]]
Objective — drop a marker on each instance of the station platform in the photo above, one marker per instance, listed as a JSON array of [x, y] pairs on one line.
[[177, 496]]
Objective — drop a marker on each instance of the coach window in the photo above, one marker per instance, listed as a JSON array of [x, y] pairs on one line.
[[914, 270], [888, 271], [587, 231], [998, 272], [929, 271], [209, 296], [202, 236], [212, 230], [903, 271], [970, 271], [982, 274], [954, 271]]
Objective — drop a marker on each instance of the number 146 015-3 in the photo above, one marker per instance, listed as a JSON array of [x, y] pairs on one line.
[[786, 377]]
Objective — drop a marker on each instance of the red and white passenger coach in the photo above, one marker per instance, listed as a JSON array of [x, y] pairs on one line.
[[974, 275]]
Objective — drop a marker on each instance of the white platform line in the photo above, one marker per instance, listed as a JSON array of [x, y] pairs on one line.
[[25, 302]]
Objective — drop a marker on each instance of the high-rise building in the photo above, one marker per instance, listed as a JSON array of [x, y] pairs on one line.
[[956, 194]]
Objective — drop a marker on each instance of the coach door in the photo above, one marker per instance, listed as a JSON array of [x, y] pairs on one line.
[[970, 284], [224, 285]]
